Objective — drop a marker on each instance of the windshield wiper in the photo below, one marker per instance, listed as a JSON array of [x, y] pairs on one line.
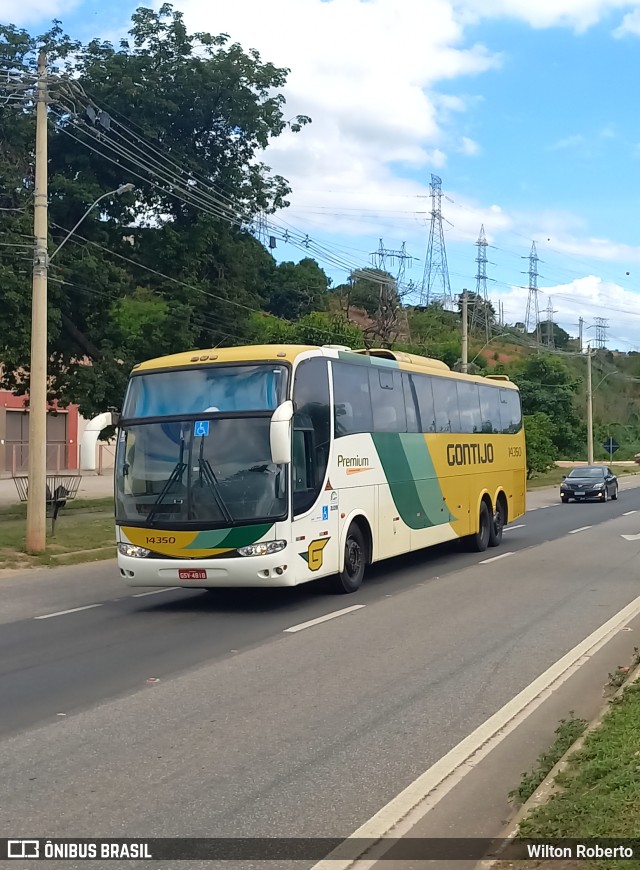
[[175, 476], [207, 472]]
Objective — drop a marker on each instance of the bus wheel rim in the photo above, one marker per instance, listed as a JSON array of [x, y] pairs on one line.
[[353, 558]]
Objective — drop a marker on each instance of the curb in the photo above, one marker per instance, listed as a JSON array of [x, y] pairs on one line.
[[91, 552], [548, 785]]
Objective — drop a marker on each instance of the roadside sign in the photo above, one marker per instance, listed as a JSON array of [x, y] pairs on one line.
[[610, 446]]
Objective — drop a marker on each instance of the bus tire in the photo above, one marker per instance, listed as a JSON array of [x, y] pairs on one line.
[[479, 542], [355, 562], [498, 522]]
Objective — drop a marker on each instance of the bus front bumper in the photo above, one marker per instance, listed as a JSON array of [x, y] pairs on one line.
[[252, 571]]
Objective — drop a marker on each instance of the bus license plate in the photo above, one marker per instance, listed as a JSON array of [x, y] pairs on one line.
[[192, 574]]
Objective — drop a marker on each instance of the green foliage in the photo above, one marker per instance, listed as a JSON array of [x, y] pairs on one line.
[[541, 451], [567, 732], [105, 309], [548, 387], [297, 289]]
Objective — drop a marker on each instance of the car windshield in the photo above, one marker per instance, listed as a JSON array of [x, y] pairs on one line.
[[214, 473], [587, 472]]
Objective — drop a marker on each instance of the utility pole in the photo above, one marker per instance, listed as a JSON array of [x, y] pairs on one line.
[[465, 333], [589, 410], [36, 537], [580, 327]]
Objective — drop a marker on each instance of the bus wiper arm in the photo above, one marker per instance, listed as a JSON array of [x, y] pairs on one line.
[[208, 473], [174, 477]]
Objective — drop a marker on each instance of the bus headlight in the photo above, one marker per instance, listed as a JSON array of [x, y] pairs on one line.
[[133, 552], [263, 549]]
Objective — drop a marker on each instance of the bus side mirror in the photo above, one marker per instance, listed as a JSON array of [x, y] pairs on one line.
[[280, 434]]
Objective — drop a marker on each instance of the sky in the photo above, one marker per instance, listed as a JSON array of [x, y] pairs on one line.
[[526, 112]]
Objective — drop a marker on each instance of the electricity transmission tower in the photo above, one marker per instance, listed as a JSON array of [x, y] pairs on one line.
[[550, 339], [435, 281], [601, 324], [391, 289], [480, 310], [533, 311]]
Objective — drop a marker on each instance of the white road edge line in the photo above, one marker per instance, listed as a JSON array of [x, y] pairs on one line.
[[511, 528], [581, 529], [64, 612], [156, 591], [402, 813], [325, 618], [495, 558], [628, 513]]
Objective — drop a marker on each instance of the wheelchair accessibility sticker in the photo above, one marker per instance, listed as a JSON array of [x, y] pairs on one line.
[[201, 428]]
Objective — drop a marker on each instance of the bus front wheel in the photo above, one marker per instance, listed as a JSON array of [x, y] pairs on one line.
[[355, 562], [479, 542]]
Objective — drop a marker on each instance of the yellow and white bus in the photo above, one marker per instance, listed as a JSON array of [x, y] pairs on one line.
[[276, 465]]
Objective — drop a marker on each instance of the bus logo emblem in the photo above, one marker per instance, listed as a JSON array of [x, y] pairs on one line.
[[314, 555]]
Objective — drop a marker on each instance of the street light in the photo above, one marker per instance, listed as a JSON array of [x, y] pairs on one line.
[[124, 188], [36, 536]]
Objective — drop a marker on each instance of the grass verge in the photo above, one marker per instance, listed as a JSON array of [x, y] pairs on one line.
[[597, 795], [554, 476], [79, 537], [75, 507], [566, 733]]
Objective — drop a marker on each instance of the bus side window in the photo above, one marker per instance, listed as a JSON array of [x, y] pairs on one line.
[[387, 400], [445, 400], [311, 432], [410, 403], [351, 399], [424, 394], [469, 404], [510, 411], [490, 407]]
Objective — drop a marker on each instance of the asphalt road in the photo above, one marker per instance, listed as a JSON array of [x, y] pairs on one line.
[[253, 730]]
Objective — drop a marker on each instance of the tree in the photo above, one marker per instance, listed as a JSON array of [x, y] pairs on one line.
[[481, 315], [183, 116], [561, 337], [297, 289], [547, 386], [541, 451]]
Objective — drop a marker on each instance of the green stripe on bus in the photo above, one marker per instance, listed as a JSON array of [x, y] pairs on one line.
[[241, 536], [412, 479]]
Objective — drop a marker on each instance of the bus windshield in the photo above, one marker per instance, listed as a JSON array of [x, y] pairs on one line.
[[179, 472], [198, 390]]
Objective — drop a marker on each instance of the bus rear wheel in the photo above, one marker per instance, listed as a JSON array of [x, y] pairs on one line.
[[479, 542], [355, 562], [498, 523]]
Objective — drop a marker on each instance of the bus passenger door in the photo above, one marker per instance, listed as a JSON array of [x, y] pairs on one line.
[[315, 532], [315, 526]]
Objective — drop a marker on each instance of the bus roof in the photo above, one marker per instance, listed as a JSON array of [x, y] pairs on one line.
[[249, 353], [289, 352]]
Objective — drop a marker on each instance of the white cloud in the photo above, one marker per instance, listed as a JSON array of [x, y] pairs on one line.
[[30, 11], [630, 25], [567, 142], [576, 14], [586, 297], [469, 147], [367, 74]]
